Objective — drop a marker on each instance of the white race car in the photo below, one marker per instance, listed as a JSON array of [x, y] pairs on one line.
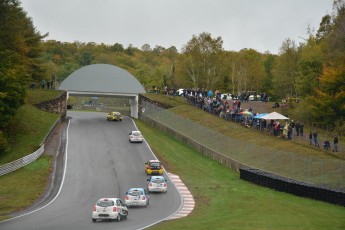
[[157, 184], [135, 136], [109, 209], [137, 197]]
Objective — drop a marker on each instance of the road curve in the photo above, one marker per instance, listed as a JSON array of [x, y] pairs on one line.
[[100, 162]]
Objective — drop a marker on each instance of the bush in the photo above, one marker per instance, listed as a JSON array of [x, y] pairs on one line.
[[3, 143]]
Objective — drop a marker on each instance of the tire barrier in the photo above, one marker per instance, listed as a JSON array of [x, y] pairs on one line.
[[298, 188]]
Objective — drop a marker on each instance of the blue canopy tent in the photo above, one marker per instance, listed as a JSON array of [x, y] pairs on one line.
[[260, 115]]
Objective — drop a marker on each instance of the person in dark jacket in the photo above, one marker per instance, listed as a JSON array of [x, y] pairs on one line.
[[315, 134], [335, 143]]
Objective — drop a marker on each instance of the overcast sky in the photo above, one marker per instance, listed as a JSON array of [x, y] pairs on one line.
[[259, 24]]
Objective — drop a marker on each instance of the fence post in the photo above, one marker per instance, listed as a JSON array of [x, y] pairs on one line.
[[262, 160], [342, 171], [308, 170], [292, 165]]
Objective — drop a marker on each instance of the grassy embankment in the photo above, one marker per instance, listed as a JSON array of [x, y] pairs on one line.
[[223, 201], [23, 187], [270, 152]]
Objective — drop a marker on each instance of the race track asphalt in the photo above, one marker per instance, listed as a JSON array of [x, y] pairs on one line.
[[100, 162]]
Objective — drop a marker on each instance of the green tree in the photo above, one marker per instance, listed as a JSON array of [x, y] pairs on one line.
[[328, 105], [328, 102], [86, 58], [117, 47], [268, 78], [310, 67], [325, 28], [286, 70], [202, 61], [19, 54]]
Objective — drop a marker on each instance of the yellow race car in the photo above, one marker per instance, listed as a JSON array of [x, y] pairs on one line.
[[153, 167], [114, 116]]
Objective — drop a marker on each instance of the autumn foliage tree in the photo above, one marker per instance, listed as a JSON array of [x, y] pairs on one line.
[[328, 103], [19, 52]]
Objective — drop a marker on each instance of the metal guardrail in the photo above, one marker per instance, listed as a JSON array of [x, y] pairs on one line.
[[17, 164], [14, 165]]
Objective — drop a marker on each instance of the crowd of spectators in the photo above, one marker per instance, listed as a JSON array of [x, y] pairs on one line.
[[230, 107], [227, 106]]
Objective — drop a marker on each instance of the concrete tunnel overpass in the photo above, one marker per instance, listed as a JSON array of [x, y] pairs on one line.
[[103, 80]]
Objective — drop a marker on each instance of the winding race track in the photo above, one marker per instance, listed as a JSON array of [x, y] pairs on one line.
[[100, 162]]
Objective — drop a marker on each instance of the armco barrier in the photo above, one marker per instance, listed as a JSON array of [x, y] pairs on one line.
[[294, 187], [14, 165]]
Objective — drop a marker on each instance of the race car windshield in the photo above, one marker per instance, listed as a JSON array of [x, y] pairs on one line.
[[155, 164], [136, 134], [135, 193], [105, 203], [158, 180]]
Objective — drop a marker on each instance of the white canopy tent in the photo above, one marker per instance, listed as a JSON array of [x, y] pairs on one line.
[[274, 116]]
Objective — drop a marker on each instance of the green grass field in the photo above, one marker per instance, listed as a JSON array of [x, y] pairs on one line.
[[23, 187], [35, 96], [30, 127], [223, 201]]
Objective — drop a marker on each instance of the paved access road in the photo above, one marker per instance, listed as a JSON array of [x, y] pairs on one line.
[[100, 163]]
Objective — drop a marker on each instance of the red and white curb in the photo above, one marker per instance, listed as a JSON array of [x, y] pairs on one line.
[[187, 198]]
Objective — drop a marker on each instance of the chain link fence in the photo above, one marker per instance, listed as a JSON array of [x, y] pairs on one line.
[[319, 171]]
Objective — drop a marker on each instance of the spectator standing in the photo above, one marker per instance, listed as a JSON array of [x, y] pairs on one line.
[[238, 106], [173, 92], [43, 84], [276, 128], [290, 132], [292, 124], [297, 128], [326, 145], [310, 137], [301, 127], [335, 143], [315, 138], [210, 93]]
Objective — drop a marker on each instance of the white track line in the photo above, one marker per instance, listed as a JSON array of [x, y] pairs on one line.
[[187, 198]]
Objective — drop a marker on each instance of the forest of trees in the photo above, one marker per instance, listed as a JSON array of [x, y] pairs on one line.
[[313, 70]]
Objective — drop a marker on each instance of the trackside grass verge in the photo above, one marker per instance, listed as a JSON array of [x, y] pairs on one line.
[[35, 96], [223, 201], [30, 127], [21, 188]]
